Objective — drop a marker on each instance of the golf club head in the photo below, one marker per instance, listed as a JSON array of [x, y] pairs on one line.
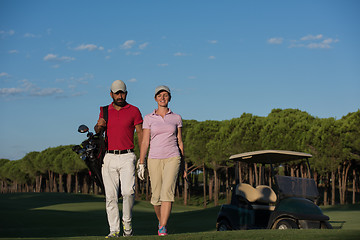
[[83, 129]]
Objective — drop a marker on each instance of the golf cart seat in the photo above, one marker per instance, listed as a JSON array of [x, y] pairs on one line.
[[247, 192], [267, 195], [267, 198], [260, 198]]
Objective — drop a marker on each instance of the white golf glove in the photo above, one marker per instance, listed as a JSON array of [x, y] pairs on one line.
[[141, 170]]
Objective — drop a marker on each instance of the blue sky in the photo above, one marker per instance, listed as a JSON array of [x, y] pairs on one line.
[[219, 58]]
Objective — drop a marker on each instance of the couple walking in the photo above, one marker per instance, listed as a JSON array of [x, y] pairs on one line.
[[161, 132]]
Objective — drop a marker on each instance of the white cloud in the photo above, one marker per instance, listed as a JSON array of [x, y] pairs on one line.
[[213, 41], [29, 89], [143, 46], [10, 91], [132, 80], [13, 51], [163, 64], [314, 42], [133, 53], [4, 34], [89, 47], [31, 35], [45, 92], [212, 57], [309, 41], [275, 40], [55, 58], [50, 57], [82, 80], [312, 37], [326, 43], [128, 44], [180, 54], [4, 74]]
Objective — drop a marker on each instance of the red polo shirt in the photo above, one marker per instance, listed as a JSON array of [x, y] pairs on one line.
[[121, 126]]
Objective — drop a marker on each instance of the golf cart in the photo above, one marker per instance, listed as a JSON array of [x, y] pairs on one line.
[[288, 204]]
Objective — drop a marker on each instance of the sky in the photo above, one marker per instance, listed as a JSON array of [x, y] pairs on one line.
[[219, 58]]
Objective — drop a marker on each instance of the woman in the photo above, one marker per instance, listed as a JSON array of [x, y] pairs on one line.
[[162, 131]]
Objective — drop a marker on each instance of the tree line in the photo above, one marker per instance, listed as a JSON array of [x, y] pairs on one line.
[[334, 144]]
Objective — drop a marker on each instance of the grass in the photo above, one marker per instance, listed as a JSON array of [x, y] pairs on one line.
[[78, 216]]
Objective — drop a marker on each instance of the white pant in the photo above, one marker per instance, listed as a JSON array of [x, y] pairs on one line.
[[119, 170]]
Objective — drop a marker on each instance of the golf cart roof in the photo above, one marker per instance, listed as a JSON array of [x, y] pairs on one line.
[[269, 156]]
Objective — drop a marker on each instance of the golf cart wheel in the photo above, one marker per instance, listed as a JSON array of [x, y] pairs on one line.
[[223, 225], [325, 225], [286, 224]]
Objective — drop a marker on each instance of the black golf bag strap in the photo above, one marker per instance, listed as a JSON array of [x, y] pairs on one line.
[[105, 113], [105, 110]]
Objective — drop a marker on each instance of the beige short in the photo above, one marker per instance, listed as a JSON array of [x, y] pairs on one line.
[[163, 175]]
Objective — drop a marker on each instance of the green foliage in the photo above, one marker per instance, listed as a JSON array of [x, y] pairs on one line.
[[330, 141]]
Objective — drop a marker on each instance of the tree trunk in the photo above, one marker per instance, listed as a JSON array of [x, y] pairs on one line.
[[76, 183], [333, 188], [47, 185], [270, 178], [185, 192], [61, 185], [148, 188], [216, 188], [85, 186], [55, 184], [228, 198], [137, 186], [51, 180], [251, 176], [204, 185], [38, 183], [178, 189], [68, 183], [211, 184], [326, 187], [346, 167], [240, 175], [354, 187], [95, 187], [256, 175]]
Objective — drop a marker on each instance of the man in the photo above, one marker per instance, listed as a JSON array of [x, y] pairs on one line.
[[119, 161]]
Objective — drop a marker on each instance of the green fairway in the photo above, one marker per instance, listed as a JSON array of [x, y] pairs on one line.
[[78, 216]]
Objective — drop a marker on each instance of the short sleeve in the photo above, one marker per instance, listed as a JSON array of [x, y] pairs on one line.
[[180, 122], [138, 118], [146, 123]]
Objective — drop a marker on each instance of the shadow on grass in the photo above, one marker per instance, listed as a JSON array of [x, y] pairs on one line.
[[46, 215]]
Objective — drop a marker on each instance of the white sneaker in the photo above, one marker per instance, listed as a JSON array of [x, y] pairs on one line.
[[127, 227], [113, 235]]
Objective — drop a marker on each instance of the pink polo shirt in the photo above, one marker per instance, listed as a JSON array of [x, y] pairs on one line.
[[163, 134]]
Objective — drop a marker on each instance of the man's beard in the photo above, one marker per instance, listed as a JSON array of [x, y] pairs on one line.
[[120, 102]]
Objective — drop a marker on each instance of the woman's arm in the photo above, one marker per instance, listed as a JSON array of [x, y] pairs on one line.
[[180, 142], [144, 145]]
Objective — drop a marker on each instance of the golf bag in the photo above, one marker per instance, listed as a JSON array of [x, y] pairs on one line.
[[92, 151]]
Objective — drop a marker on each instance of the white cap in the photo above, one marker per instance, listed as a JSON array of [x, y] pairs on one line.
[[118, 85], [162, 88]]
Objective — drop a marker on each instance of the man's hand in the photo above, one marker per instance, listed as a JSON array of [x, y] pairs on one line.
[[101, 122], [100, 126], [141, 170]]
